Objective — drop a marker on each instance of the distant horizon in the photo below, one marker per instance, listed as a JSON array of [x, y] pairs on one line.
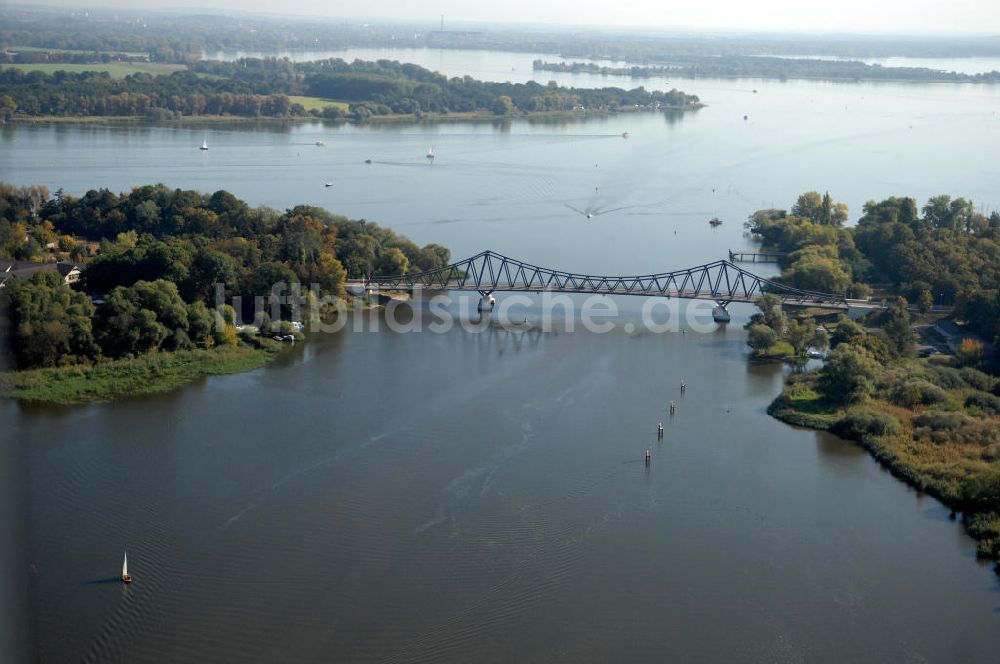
[[461, 15]]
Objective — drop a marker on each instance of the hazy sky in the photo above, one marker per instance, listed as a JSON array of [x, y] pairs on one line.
[[881, 16]]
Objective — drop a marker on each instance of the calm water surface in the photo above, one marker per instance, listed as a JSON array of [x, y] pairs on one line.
[[383, 496]]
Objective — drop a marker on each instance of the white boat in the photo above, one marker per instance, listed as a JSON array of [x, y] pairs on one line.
[[204, 145], [430, 153], [125, 577], [320, 144], [328, 184]]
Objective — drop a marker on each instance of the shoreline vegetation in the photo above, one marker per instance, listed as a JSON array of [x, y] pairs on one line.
[[174, 284], [933, 421], [752, 66], [472, 116], [150, 374], [332, 89]]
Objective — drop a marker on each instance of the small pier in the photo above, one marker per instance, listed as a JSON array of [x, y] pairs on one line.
[[737, 256]]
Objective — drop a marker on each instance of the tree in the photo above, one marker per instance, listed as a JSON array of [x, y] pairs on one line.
[[432, 257], [895, 322], [502, 105], [201, 322], [761, 337], [817, 272], [49, 322], [926, 301], [848, 375], [392, 262], [208, 269], [123, 328], [800, 333], [140, 318], [970, 353], [770, 314], [820, 209]]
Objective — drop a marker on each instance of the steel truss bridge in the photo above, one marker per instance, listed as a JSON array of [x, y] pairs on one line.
[[489, 272]]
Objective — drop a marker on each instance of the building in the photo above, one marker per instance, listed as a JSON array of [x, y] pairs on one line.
[[70, 272]]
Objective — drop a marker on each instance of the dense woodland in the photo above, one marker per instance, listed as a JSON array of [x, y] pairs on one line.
[[153, 257], [943, 253], [260, 87], [934, 422]]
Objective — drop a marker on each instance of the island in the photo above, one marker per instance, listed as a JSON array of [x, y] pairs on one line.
[[781, 68], [333, 89]]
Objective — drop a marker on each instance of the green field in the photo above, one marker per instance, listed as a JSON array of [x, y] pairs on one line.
[[318, 103], [116, 69], [39, 49]]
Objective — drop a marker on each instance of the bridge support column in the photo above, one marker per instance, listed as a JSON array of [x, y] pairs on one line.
[[486, 302], [720, 314]]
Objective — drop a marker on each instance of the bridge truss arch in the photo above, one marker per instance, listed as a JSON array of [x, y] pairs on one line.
[[488, 272]]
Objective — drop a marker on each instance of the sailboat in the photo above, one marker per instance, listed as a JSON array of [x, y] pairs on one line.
[[430, 153], [125, 577], [204, 145]]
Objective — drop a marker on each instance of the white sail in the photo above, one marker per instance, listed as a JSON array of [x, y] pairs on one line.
[[125, 566], [430, 153], [204, 145]]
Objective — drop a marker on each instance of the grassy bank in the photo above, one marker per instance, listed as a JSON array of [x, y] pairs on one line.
[[318, 103], [154, 373], [960, 467], [114, 69]]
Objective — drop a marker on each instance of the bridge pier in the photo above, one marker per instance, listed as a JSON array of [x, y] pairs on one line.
[[720, 314], [486, 302]]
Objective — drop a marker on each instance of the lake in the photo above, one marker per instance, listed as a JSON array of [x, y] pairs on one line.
[[389, 496]]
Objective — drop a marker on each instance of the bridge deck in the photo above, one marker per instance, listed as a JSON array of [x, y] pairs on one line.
[[489, 272], [358, 287]]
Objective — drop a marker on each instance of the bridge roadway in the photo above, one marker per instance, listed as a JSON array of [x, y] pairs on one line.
[[488, 272], [357, 287]]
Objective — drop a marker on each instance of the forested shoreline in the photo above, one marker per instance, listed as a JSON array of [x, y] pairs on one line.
[[738, 66], [256, 87], [945, 253], [934, 422], [154, 262]]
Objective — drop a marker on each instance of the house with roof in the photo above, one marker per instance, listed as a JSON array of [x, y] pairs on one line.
[[70, 272]]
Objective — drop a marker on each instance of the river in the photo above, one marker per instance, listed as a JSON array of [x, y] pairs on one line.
[[391, 496]]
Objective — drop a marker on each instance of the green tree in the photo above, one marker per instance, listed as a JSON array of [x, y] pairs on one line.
[[140, 318], [49, 323], [770, 314], [502, 105], [392, 261], [848, 376], [895, 322], [209, 268], [201, 322], [815, 269], [761, 337], [800, 333]]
